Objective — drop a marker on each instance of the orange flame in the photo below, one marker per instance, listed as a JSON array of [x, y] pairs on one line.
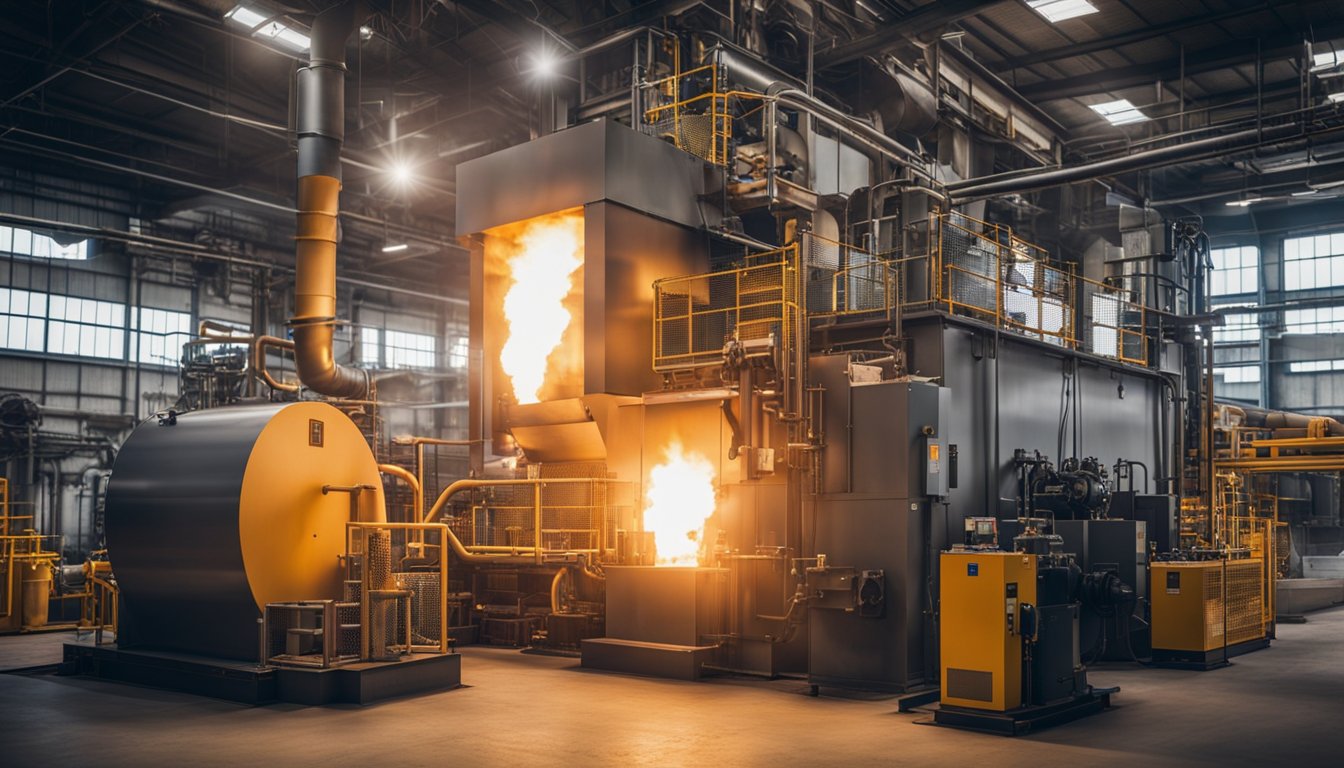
[[679, 501], [543, 268]]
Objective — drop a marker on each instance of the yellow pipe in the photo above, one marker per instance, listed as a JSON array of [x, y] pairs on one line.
[[259, 345], [410, 479], [314, 320], [523, 554]]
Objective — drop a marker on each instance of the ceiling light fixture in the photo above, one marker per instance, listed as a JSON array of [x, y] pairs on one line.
[[1056, 11], [1244, 202], [262, 24], [245, 16], [544, 64], [1326, 60], [402, 173], [1119, 112], [395, 248]]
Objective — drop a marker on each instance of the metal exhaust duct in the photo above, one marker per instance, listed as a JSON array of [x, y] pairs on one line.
[[321, 130]]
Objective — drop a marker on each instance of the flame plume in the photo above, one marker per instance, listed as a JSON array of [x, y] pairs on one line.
[[543, 267], [679, 501]]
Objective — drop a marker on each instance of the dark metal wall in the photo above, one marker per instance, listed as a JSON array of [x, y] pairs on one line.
[[1009, 392]]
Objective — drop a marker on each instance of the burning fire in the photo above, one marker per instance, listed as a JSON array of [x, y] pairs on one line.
[[680, 500], [544, 266]]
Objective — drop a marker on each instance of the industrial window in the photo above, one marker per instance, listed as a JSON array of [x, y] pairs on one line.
[[382, 348], [1238, 329], [408, 350], [23, 320], [370, 347], [1316, 366], [158, 335], [25, 242], [86, 327], [1314, 320], [1235, 270], [1313, 262], [458, 353], [1237, 374]]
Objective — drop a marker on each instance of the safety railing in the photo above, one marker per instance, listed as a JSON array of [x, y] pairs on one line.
[[1115, 324], [393, 605], [696, 316], [988, 273], [983, 270], [696, 111], [568, 516], [842, 279]]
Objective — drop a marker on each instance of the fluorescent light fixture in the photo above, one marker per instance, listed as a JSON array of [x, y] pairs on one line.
[[1119, 112], [1305, 193], [245, 16], [395, 248], [1244, 202], [1336, 97], [1326, 60], [1056, 11], [278, 31]]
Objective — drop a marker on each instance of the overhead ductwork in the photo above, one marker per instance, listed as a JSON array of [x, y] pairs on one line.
[[321, 130]]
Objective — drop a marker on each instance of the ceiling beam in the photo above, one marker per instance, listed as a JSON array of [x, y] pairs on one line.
[[1222, 56], [925, 18]]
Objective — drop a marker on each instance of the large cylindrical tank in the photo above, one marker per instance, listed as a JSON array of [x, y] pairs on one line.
[[215, 514]]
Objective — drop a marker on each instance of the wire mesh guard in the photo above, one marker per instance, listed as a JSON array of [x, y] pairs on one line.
[[1116, 325], [1244, 618], [394, 592], [425, 606], [693, 110], [694, 317], [988, 273]]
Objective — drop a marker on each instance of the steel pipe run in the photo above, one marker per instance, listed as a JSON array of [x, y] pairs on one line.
[[321, 131], [977, 189], [855, 128]]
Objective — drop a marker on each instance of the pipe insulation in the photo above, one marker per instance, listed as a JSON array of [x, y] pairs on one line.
[[321, 131]]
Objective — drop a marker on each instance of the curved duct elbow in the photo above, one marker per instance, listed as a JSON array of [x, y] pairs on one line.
[[907, 106], [321, 130]]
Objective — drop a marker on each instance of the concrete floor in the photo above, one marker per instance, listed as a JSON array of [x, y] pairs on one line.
[[1272, 707]]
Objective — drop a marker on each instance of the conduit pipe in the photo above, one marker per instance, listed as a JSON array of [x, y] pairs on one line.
[[321, 131]]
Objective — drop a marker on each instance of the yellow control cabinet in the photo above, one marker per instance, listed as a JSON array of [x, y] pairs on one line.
[[1188, 600], [981, 595]]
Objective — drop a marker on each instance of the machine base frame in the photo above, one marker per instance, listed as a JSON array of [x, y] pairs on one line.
[[635, 657], [1203, 661], [357, 683], [1022, 720]]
